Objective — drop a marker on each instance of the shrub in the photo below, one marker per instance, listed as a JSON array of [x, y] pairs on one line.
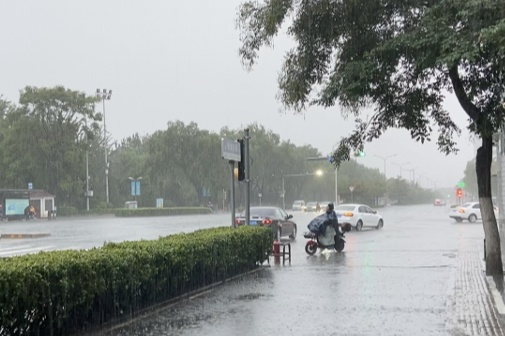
[[68, 292]]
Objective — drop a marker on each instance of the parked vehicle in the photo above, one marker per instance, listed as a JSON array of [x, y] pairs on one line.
[[273, 217], [359, 216], [298, 205], [439, 202]]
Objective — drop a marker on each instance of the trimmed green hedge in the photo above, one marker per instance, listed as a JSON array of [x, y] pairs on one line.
[[70, 292], [131, 212]]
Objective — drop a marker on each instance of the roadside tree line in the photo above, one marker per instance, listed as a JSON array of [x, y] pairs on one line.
[[44, 139]]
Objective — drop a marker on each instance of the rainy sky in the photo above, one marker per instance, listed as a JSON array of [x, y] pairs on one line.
[[178, 60]]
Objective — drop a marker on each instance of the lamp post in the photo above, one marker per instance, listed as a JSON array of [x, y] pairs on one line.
[[412, 173], [135, 186], [317, 173], [385, 174], [401, 166], [104, 95], [385, 159]]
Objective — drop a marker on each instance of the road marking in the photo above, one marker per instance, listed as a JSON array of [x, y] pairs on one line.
[[17, 251]]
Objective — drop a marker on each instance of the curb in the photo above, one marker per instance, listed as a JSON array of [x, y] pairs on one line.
[[23, 236], [498, 304], [497, 297]]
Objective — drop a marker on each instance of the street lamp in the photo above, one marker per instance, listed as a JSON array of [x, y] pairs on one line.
[[385, 174], [104, 95], [385, 159], [316, 173], [135, 186], [412, 173], [401, 166]]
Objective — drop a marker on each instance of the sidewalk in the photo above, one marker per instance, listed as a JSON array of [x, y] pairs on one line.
[[475, 304]]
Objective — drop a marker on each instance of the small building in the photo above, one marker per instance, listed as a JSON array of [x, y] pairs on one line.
[[43, 202]]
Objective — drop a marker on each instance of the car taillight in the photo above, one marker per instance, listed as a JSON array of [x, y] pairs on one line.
[[461, 210], [267, 221], [237, 222], [349, 214]]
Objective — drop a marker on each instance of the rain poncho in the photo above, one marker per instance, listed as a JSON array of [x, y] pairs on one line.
[[318, 224]]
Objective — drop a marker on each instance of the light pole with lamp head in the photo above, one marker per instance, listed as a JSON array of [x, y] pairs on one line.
[[401, 166], [317, 173], [104, 95], [386, 197], [412, 174]]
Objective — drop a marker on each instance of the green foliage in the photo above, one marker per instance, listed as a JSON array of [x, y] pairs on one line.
[[71, 292], [470, 177], [133, 212], [399, 57], [181, 164], [43, 138]]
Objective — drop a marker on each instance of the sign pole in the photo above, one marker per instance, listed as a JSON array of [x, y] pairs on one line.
[[247, 179], [232, 191]]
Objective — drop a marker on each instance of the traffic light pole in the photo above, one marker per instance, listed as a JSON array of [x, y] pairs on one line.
[[232, 192]]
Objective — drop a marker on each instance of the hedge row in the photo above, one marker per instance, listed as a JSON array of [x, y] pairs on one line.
[[131, 212], [70, 292]]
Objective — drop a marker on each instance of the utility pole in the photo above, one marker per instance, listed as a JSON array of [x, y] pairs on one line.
[[104, 95]]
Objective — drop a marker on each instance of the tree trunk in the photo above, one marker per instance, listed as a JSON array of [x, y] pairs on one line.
[[494, 264]]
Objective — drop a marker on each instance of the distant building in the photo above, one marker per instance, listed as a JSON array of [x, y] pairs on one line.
[[13, 203], [43, 202]]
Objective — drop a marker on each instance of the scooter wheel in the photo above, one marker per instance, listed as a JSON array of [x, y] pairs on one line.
[[311, 247]]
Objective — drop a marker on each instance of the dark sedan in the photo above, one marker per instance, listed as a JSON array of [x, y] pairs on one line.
[[273, 217]]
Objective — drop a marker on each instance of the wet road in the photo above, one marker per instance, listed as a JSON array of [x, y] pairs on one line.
[[394, 281], [85, 233]]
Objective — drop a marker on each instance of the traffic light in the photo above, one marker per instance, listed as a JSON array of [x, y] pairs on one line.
[[459, 192], [241, 163], [359, 154]]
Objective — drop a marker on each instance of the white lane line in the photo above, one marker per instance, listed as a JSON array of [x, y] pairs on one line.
[[25, 251]]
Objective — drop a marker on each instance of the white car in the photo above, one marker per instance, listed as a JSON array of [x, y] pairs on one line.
[[469, 211], [298, 205], [359, 216]]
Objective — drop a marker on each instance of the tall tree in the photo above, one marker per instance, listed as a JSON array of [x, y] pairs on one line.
[[44, 141], [401, 57]]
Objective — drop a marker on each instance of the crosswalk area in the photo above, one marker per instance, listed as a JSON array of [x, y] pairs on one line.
[[17, 250]]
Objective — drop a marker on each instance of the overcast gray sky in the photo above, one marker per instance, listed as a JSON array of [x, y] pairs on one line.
[[178, 60]]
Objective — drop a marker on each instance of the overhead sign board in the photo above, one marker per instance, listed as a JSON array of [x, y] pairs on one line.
[[230, 149]]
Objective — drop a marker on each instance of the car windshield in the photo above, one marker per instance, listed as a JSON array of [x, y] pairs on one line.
[[261, 212], [344, 208], [311, 203], [468, 204]]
